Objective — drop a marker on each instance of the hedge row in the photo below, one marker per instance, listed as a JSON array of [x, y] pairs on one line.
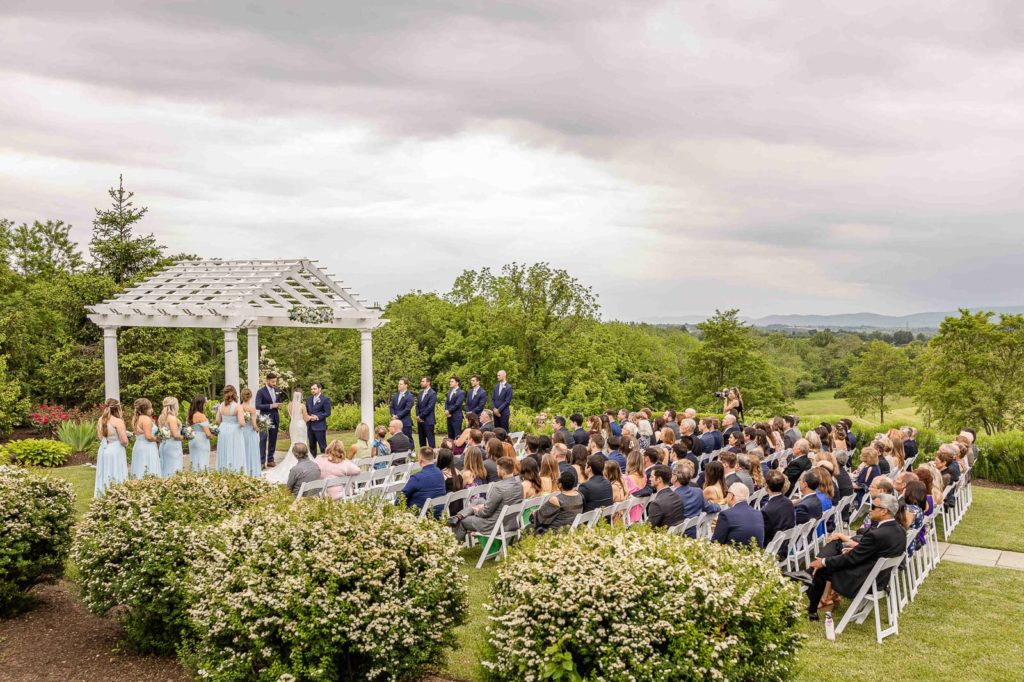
[[1001, 458]]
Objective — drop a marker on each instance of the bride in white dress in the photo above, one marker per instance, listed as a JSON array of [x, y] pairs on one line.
[[296, 434]]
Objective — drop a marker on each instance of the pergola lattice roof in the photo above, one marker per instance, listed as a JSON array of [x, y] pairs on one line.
[[250, 293]]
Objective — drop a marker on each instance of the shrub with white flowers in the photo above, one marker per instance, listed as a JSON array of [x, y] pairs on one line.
[[134, 544], [324, 591], [36, 516], [636, 604]]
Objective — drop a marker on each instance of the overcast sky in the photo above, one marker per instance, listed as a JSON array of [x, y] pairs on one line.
[[777, 157]]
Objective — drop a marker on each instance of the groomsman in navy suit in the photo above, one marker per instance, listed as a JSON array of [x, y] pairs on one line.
[[401, 407], [476, 399], [425, 412], [453, 407], [501, 401], [267, 403], [318, 409]]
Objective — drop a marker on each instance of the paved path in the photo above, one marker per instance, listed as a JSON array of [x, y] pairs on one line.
[[994, 558]]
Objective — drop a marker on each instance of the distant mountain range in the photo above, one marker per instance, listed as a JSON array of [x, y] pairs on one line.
[[845, 320]]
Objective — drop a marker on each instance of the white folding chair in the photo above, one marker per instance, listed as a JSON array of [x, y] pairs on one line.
[[687, 525], [869, 597], [588, 519], [704, 527], [312, 489], [496, 542], [756, 499]]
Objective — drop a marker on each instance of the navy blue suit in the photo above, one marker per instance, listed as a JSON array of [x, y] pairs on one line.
[[316, 431], [778, 516], [422, 486], [401, 408], [806, 509], [268, 438], [694, 503], [425, 404], [476, 402], [500, 401], [738, 524], [453, 402]]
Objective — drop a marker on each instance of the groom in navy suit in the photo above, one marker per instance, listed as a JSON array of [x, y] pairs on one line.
[[267, 403], [425, 419], [318, 409], [501, 401], [401, 407], [453, 407], [476, 399]]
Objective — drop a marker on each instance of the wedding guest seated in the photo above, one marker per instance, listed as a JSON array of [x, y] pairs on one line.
[[428, 482], [486, 422], [533, 449], [691, 496], [561, 455], [809, 506], [579, 434], [333, 464], [777, 510], [596, 491], [734, 473], [398, 442], [561, 509], [481, 517], [614, 454], [452, 478], [846, 573], [865, 473], [666, 509], [799, 463], [740, 523], [304, 471]]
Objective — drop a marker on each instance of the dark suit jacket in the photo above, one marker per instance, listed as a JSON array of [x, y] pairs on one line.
[[796, 466], [476, 403], [698, 445], [778, 514], [790, 436], [806, 509], [263, 403], [567, 434], [421, 486], [851, 569], [500, 400], [665, 509], [738, 524], [401, 407], [729, 431], [694, 503], [425, 405], [453, 404], [910, 448], [322, 410], [580, 436], [596, 492], [400, 443]]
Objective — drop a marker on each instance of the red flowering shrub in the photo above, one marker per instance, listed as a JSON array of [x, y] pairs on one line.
[[46, 418]]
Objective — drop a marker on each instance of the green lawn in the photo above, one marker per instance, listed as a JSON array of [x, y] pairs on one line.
[[824, 402], [957, 601], [995, 520]]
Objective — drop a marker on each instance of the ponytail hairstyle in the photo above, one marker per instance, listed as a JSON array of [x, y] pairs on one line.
[[198, 406], [111, 408], [170, 406], [246, 395], [230, 395], [141, 407]]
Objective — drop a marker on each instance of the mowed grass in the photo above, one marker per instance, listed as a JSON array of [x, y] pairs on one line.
[[825, 402], [995, 520], [959, 606]]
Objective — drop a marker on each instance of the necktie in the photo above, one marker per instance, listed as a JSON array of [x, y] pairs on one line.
[[316, 400]]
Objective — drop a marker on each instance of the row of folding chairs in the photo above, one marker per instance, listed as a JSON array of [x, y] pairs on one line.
[[354, 486], [962, 495], [383, 461]]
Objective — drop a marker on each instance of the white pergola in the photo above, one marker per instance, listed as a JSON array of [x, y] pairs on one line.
[[234, 295]]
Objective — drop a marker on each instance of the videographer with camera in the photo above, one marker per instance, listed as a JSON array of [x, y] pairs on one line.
[[732, 399]]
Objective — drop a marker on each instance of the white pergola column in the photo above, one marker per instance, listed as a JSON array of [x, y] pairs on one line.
[[253, 361], [111, 377], [366, 378], [231, 358]]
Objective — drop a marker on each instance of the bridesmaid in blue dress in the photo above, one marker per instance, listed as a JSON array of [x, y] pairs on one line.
[[199, 447], [251, 436], [112, 459], [172, 458], [230, 441], [146, 451]]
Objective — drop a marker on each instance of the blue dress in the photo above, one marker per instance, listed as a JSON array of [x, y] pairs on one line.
[[199, 448], [145, 456], [251, 437], [230, 442], [111, 464], [172, 459]]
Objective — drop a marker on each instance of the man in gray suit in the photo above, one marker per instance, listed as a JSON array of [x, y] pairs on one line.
[[304, 471], [792, 434], [482, 517]]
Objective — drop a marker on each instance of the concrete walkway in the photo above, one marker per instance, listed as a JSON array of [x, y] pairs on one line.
[[980, 556]]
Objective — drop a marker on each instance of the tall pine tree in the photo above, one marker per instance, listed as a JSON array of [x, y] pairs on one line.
[[115, 250]]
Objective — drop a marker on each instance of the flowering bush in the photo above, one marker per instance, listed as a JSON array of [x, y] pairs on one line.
[[133, 546], [679, 609], [324, 591], [37, 452], [46, 418], [36, 515]]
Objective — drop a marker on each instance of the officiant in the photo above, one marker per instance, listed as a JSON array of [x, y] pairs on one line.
[[318, 409], [267, 403]]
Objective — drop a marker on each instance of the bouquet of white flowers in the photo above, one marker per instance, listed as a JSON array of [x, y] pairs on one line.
[[214, 429], [163, 433], [263, 423], [188, 433]]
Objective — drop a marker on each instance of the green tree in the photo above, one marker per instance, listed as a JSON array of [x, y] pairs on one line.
[[39, 250], [972, 372], [726, 357], [879, 376], [12, 405], [115, 249]]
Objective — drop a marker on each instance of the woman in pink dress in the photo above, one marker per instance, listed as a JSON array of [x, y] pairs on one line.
[[635, 480], [334, 463]]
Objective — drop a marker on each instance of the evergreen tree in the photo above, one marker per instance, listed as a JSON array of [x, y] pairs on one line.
[[115, 249]]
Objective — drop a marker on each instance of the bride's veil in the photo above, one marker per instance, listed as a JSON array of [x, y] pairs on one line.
[[296, 427]]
